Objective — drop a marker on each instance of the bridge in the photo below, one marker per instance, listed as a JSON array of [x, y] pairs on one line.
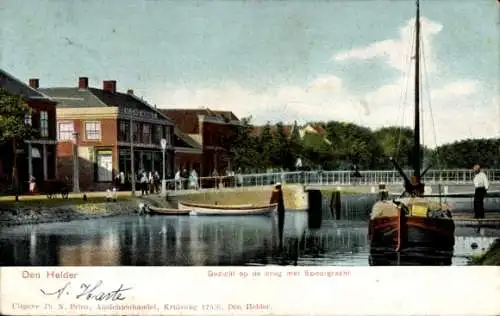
[[454, 179]]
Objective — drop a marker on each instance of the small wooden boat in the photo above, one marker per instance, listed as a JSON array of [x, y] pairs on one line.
[[167, 211], [227, 210]]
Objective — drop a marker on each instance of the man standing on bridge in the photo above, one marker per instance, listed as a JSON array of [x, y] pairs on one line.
[[481, 185]]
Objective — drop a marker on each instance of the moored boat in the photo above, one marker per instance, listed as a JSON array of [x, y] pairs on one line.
[[167, 211], [228, 210], [414, 225]]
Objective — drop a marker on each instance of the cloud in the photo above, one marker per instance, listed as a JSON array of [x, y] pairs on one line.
[[327, 83], [396, 52], [459, 108]]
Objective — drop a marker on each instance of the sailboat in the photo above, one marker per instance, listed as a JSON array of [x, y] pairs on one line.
[[413, 224]]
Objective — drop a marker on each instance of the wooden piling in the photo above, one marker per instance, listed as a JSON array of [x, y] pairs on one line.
[[277, 197], [314, 210], [335, 205]]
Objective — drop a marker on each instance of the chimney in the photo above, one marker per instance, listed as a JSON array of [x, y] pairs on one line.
[[130, 91], [83, 83], [34, 83], [109, 86]]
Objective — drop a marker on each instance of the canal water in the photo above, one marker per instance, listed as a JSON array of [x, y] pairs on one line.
[[195, 241]]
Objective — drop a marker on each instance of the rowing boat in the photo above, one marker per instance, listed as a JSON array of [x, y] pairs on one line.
[[167, 211], [228, 210]]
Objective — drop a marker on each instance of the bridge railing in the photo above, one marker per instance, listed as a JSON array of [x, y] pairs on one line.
[[321, 177]]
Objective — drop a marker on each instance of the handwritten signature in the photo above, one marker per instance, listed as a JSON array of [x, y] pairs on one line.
[[89, 292]]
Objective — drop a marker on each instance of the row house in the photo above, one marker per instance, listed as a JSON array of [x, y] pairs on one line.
[[109, 129], [36, 157], [210, 130]]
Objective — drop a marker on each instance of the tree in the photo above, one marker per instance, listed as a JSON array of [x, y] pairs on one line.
[[14, 128], [318, 152], [243, 146], [295, 145], [354, 144], [282, 154], [396, 142], [266, 146], [466, 153]]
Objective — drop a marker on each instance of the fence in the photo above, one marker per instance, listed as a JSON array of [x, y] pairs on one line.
[[321, 177]]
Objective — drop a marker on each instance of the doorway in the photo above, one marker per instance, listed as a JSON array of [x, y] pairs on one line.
[[104, 166]]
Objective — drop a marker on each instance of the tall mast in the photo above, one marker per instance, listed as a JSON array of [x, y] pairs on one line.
[[416, 141]]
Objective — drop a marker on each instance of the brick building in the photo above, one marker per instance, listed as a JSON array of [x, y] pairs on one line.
[[103, 122], [208, 129], [36, 157]]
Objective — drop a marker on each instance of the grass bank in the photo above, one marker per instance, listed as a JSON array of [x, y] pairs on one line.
[[490, 258], [36, 210]]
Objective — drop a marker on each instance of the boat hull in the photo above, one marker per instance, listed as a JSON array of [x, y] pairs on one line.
[[413, 232], [227, 210], [411, 241], [159, 211]]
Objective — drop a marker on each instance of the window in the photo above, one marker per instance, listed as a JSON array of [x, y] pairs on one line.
[[135, 131], [158, 134], [146, 133], [124, 133], [44, 124], [93, 130], [65, 131], [168, 134]]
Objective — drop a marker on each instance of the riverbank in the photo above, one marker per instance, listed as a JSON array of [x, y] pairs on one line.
[[34, 209], [490, 258], [43, 210]]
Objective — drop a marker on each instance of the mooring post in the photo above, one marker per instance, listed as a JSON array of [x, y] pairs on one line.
[[335, 205], [277, 197], [314, 210]]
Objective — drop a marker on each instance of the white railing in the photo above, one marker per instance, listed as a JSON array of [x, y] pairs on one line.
[[320, 177]]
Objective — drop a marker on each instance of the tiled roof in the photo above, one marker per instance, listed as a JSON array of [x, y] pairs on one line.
[[183, 140], [73, 97], [321, 131], [17, 87], [187, 119], [92, 97]]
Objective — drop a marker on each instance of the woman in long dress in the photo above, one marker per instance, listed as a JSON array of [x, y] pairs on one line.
[[193, 180], [32, 184]]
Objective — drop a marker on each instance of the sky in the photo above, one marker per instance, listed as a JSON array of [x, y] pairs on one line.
[[317, 60]]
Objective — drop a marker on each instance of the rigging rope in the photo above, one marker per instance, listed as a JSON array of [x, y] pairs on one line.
[[404, 92], [427, 84]]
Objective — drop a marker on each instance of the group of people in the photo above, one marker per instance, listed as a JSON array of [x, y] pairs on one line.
[[181, 177], [190, 180], [149, 182]]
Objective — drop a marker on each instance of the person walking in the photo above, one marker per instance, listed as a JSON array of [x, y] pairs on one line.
[[144, 183], [178, 180], [481, 185]]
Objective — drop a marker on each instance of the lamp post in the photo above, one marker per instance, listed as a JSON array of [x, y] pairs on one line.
[[76, 180], [132, 157], [163, 144]]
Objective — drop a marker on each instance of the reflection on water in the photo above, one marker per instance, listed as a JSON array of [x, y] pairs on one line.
[[172, 241]]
